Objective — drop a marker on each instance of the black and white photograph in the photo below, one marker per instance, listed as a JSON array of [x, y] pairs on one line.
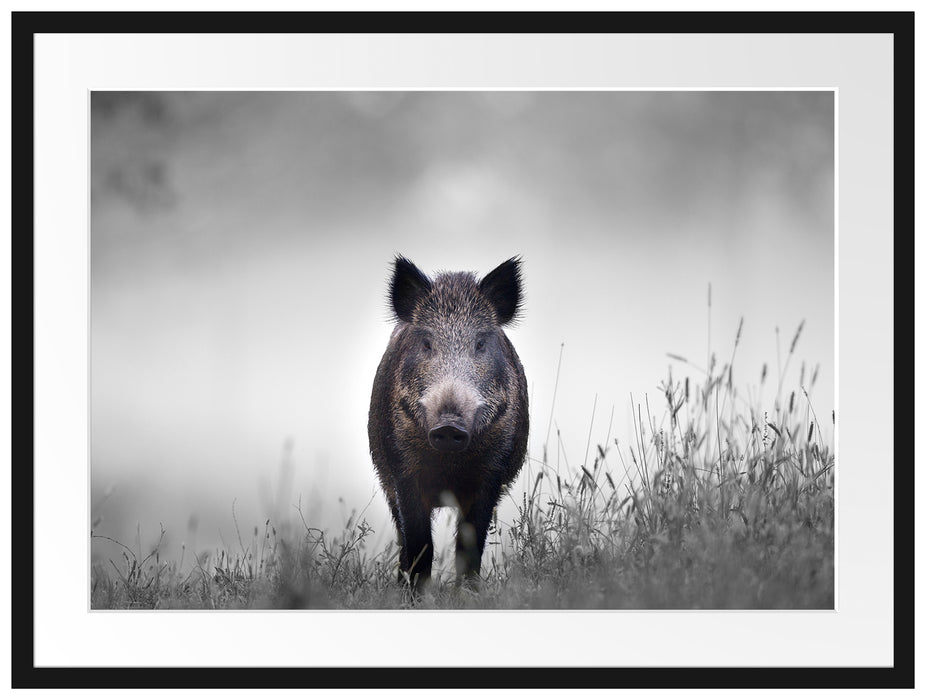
[[502, 349], [463, 349]]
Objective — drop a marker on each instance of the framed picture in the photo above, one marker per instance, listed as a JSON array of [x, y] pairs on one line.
[[341, 336]]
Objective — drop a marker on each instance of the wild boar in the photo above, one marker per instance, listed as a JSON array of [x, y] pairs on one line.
[[448, 413]]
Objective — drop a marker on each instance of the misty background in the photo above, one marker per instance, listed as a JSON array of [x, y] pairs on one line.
[[241, 246]]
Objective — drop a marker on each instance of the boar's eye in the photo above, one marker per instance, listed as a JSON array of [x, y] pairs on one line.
[[426, 344], [480, 345]]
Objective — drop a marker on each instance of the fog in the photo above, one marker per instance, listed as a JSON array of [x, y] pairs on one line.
[[241, 246]]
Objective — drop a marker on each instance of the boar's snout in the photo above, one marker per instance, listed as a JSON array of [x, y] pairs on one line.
[[451, 411], [448, 437]]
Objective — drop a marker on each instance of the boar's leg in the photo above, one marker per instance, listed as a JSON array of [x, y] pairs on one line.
[[414, 526], [397, 519], [471, 535]]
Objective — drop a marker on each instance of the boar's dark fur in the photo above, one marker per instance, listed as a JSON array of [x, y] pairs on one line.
[[448, 415]]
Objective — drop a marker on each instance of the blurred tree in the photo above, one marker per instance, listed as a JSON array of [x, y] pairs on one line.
[[129, 132]]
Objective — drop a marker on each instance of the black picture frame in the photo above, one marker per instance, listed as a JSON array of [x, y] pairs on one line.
[[26, 25]]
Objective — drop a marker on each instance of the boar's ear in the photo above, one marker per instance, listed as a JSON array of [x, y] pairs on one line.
[[502, 287], [409, 284]]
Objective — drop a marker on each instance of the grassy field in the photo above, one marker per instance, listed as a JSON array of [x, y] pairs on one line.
[[713, 502]]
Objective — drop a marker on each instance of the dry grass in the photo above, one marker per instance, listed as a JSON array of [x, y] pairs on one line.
[[719, 503]]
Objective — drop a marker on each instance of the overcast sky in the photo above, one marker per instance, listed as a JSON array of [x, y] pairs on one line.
[[241, 245]]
